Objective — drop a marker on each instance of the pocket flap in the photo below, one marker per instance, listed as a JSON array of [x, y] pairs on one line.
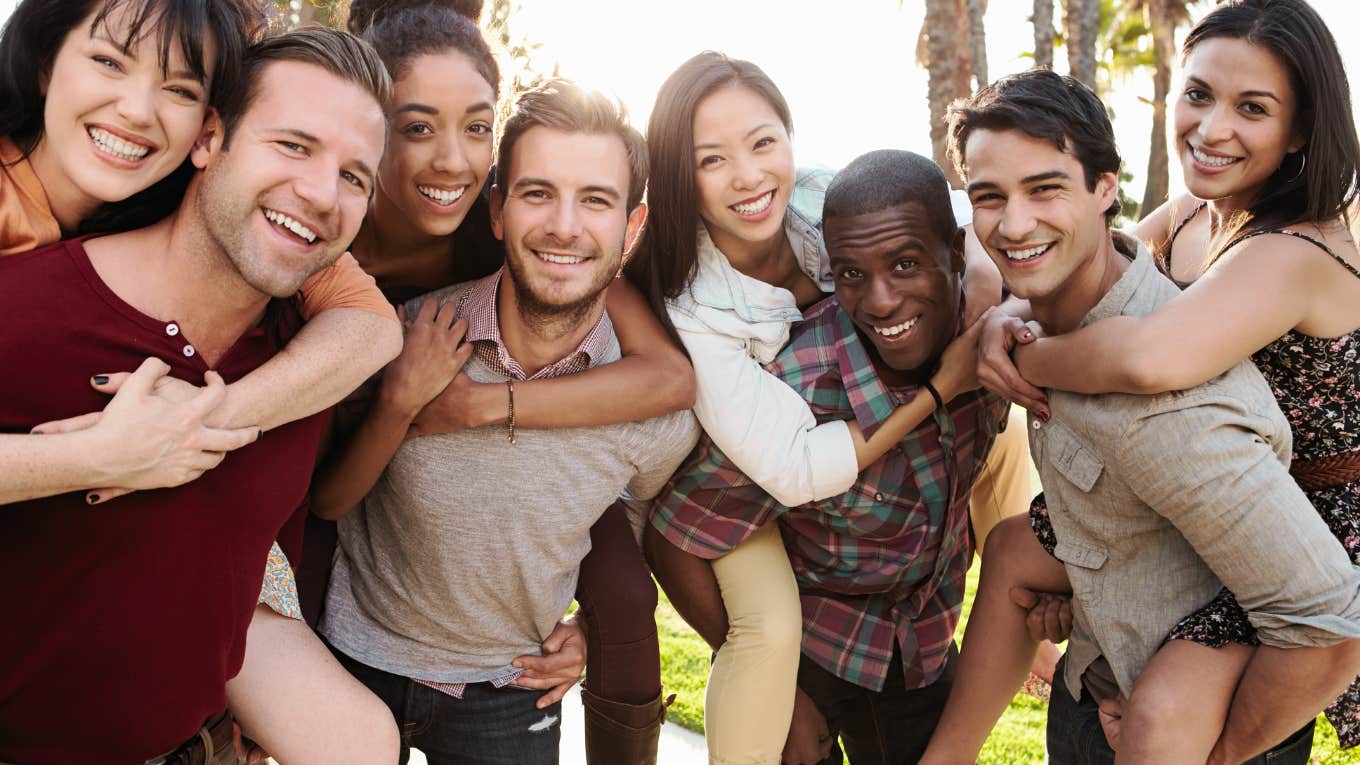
[[1077, 464], [1079, 554]]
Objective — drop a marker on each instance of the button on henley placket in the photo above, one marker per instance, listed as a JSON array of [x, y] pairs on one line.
[[172, 329]]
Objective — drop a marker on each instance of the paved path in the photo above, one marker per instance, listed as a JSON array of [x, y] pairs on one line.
[[678, 746]]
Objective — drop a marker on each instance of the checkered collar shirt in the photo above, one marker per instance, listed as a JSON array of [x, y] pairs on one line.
[[883, 563], [478, 305]]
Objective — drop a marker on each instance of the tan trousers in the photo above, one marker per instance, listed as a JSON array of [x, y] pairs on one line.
[[1003, 488], [750, 689]]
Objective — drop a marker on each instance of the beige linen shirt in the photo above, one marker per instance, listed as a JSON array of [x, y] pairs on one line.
[[1159, 501]]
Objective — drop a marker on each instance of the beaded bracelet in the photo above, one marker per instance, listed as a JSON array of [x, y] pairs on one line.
[[510, 425]]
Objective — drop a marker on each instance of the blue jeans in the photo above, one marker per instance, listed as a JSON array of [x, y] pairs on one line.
[[488, 726], [1075, 736]]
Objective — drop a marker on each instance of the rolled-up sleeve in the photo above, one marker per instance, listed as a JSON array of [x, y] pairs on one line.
[[764, 426], [1211, 466]]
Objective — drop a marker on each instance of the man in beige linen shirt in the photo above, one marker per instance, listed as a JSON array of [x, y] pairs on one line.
[[1159, 501]]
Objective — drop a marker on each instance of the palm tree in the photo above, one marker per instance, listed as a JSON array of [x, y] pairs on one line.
[[1043, 33], [941, 50], [1164, 16], [1082, 24], [952, 48], [977, 39], [1137, 35]]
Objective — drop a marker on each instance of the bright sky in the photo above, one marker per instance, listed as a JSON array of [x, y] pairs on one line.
[[847, 69]]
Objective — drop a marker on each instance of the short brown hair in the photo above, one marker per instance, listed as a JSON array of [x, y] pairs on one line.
[[340, 53], [563, 105], [1045, 106]]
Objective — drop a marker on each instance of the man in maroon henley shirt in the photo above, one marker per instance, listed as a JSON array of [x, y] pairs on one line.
[[124, 621]]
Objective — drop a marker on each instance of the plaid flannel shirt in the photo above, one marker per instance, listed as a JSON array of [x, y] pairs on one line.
[[883, 562]]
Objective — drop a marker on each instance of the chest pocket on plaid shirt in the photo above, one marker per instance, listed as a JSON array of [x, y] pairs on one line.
[[865, 512]]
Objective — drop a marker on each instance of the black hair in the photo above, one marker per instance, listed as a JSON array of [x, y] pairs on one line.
[[401, 30], [1046, 106], [362, 13], [887, 178], [37, 29], [1320, 184], [668, 255], [35, 32]]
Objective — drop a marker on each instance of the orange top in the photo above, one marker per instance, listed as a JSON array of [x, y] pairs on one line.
[[26, 223], [343, 284], [26, 220]]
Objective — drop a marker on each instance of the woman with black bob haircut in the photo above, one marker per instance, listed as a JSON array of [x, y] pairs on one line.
[[211, 35]]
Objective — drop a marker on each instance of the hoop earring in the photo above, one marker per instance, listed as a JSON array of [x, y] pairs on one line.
[[1303, 162]]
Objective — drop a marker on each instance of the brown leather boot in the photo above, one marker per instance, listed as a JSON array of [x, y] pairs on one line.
[[622, 734]]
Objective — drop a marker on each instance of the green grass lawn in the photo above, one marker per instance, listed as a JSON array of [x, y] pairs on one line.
[[1017, 738]]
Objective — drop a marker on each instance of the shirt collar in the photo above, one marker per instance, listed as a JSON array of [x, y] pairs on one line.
[[478, 306], [718, 285], [1114, 301], [869, 398]]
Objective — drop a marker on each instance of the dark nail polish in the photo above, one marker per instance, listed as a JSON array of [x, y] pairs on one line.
[[1044, 415], [92, 498], [101, 379]]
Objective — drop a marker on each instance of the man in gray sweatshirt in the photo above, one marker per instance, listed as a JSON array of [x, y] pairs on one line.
[[465, 553]]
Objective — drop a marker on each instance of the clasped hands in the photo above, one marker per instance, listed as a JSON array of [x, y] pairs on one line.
[[1002, 336], [1049, 617]]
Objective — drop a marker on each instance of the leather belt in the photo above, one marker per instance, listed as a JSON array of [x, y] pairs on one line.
[[212, 741], [1324, 473]]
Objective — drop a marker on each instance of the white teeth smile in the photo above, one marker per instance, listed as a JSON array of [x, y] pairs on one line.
[[565, 260], [1029, 253], [111, 144], [756, 207], [291, 225], [442, 196], [897, 329], [1211, 161]]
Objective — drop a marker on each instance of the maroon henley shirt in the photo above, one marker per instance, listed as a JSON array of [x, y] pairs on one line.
[[123, 621]]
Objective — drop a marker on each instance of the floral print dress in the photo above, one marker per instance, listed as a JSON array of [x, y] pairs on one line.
[[279, 591], [1317, 382]]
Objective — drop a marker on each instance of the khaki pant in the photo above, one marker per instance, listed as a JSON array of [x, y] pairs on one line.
[[1003, 488], [750, 689]]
